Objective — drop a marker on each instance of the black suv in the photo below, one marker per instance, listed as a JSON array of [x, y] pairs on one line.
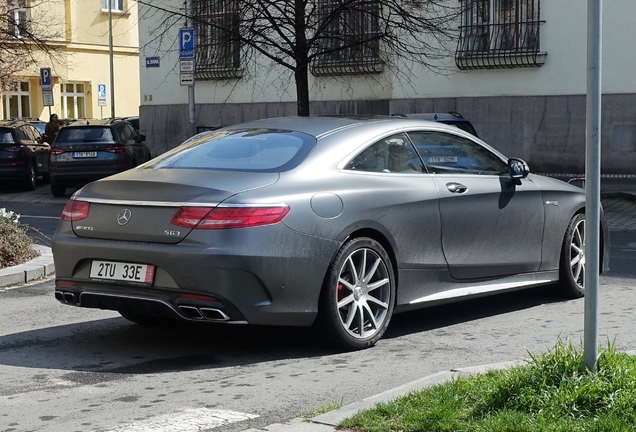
[[450, 118], [23, 153], [87, 150]]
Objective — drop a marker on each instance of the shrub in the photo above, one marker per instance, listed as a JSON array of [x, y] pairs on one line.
[[16, 246]]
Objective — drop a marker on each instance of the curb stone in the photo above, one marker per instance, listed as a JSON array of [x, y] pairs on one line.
[[39, 267]]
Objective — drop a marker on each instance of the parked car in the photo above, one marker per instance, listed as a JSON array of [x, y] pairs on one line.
[[134, 121], [23, 154], [39, 125], [326, 221], [87, 150], [450, 118]]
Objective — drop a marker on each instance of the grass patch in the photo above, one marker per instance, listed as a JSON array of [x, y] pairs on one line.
[[333, 405], [16, 247], [554, 392]]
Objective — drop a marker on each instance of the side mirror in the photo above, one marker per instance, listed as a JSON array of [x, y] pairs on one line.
[[518, 169]]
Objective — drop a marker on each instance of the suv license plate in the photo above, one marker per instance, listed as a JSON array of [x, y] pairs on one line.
[[442, 159], [78, 155], [121, 271]]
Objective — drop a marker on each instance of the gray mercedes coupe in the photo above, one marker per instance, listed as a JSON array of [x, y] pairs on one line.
[[328, 221]]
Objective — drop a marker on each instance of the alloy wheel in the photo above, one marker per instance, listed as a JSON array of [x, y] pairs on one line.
[[363, 293], [577, 253]]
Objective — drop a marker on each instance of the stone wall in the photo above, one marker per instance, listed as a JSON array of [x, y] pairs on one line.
[[547, 131]]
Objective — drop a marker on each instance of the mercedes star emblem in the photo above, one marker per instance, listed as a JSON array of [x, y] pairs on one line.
[[124, 216]]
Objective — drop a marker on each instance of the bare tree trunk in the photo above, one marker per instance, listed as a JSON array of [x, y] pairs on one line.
[[301, 74], [302, 90]]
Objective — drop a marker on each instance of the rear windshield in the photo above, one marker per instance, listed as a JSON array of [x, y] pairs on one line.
[[263, 150], [5, 136], [84, 134]]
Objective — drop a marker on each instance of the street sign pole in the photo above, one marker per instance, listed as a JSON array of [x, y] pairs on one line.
[[111, 59], [592, 182], [191, 105]]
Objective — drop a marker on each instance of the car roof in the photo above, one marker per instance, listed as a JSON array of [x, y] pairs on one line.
[[319, 126], [13, 123]]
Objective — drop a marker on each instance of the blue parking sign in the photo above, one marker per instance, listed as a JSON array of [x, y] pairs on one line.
[[45, 78], [186, 43], [101, 91]]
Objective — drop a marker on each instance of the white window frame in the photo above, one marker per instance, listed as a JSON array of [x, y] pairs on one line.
[[18, 94], [116, 6], [64, 95]]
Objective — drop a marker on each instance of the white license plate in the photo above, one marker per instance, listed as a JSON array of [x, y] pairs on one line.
[[78, 155], [121, 271], [442, 159]]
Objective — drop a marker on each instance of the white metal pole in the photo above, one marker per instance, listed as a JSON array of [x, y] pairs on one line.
[[592, 182], [191, 106]]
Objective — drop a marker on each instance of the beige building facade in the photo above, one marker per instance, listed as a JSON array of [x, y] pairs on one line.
[[78, 32]]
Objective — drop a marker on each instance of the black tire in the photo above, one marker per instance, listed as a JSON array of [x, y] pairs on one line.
[[354, 311], [58, 190], [572, 265], [31, 181], [148, 320]]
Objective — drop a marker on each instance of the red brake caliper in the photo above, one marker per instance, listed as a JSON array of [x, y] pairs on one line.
[[339, 292]]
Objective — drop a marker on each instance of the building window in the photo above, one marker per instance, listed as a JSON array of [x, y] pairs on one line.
[[73, 101], [116, 5], [499, 34], [18, 18], [350, 43], [218, 48], [17, 104]]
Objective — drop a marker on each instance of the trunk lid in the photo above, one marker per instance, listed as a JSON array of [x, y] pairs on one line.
[[137, 205]]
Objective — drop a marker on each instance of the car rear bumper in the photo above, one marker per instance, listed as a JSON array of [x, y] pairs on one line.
[[275, 280], [14, 172]]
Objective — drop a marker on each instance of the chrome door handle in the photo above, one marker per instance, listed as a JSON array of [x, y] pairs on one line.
[[457, 188]]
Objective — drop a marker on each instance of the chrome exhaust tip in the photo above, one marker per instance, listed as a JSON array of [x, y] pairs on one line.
[[214, 314], [190, 312]]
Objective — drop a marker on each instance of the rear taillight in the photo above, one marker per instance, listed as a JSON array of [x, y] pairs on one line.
[[116, 150], [228, 217], [15, 148], [56, 151], [75, 211]]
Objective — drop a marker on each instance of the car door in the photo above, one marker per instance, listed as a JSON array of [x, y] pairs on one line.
[[393, 191], [491, 226]]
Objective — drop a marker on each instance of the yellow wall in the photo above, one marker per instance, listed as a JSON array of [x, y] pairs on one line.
[[79, 31]]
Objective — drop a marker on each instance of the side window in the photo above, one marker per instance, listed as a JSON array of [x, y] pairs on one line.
[[443, 152], [130, 133], [20, 134], [119, 134], [394, 154], [24, 130]]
